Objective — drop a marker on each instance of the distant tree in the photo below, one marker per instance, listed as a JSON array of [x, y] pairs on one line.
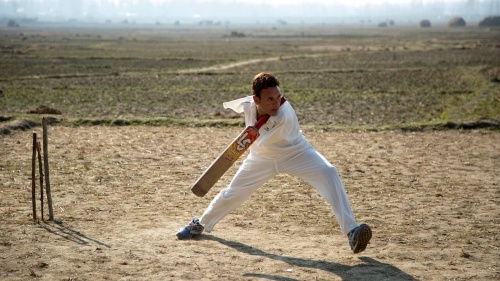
[[425, 23], [456, 22], [382, 24], [493, 21], [12, 23], [236, 34], [206, 22]]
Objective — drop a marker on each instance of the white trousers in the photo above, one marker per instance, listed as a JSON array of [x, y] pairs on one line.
[[308, 165]]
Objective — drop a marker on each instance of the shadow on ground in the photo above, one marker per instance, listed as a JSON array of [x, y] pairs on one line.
[[370, 269], [70, 234]]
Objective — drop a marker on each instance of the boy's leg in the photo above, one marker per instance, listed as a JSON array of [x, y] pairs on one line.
[[251, 175], [312, 167]]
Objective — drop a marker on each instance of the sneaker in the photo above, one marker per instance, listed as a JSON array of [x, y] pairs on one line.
[[192, 229], [359, 238]]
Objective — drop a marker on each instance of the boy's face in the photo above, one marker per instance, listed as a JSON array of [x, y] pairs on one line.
[[269, 102]]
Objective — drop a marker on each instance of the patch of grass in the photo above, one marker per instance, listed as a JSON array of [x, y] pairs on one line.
[[345, 78]]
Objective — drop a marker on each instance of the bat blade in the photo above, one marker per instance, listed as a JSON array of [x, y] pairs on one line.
[[225, 160]]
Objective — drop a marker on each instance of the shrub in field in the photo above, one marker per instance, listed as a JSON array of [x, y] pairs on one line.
[[236, 34], [493, 21], [456, 22], [12, 23], [425, 23]]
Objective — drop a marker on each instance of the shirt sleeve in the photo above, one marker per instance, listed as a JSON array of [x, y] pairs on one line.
[[238, 105]]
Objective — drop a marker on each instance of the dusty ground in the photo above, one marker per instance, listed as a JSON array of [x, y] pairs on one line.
[[120, 194]]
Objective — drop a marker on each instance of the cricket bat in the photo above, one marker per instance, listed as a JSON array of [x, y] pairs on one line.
[[227, 158]]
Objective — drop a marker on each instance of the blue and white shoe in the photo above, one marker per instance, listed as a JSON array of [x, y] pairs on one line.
[[194, 228], [359, 238]]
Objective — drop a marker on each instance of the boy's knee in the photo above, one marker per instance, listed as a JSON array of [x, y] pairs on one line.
[[332, 170]]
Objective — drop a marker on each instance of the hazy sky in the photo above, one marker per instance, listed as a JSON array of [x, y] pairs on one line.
[[280, 2], [294, 2], [249, 10]]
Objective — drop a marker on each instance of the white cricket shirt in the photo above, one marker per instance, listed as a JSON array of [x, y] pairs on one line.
[[280, 136]]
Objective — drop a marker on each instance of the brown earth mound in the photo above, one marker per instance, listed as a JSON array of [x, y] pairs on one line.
[[43, 109]]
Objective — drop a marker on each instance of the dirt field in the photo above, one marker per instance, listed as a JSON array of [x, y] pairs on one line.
[[120, 194]]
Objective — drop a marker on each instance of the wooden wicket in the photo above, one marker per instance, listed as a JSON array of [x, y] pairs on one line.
[[37, 149]]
